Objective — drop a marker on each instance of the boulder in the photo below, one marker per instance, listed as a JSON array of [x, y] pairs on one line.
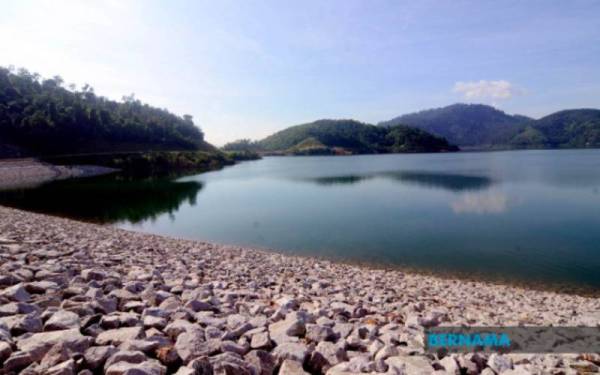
[[16, 293], [96, 356], [261, 362], [289, 367], [61, 320], [119, 335], [289, 350], [38, 344]]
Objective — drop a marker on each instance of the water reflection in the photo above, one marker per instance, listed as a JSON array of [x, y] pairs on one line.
[[489, 202], [106, 199], [447, 181]]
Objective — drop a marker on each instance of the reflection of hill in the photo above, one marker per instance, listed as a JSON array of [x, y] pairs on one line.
[[453, 182], [339, 180], [105, 199]]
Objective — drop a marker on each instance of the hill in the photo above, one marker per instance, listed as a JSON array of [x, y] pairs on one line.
[[351, 137], [472, 125], [576, 128], [41, 117]]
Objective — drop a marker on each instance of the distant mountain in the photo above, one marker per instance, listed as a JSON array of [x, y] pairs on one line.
[[575, 128], [472, 125], [351, 137]]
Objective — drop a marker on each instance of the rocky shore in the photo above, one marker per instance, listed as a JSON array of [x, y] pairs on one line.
[[21, 173], [79, 298]]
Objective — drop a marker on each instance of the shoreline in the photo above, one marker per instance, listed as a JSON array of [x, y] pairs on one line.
[[180, 303], [31, 172]]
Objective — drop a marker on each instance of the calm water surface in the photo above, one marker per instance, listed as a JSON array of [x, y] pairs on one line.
[[522, 215]]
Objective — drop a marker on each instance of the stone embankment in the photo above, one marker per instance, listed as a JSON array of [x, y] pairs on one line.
[[79, 298], [22, 173]]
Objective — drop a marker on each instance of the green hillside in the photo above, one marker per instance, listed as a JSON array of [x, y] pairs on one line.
[[43, 117], [473, 125], [576, 128], [350, 136]]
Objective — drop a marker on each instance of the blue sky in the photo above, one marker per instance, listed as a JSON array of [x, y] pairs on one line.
[[248, 68]]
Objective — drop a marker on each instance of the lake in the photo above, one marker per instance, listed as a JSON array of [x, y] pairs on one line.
[[523, 216]]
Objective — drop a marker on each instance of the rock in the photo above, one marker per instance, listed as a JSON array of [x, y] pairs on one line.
[[284, 330], [386, 352], [96, 356], [229, 363], [155, 322], [318, 333], [93, 274], [294, 351], [40, 287], [201, 366], [19, 324], [230, 346], [238, 331], [331, 353], [149, 367], [522, 370], [190, 344], [196, 306], [16, 293], [361, 364], [167, 355], [289, 367], [65, 368], [410, 364], [175, 328], [260, 341], [119, 335], [261, 362], [5, 351], [110, 321], [171, 303], [450, 365], [288, 303], [325, 356], [125, 356], [342, 330], [57, 354], [146, 346], [467, 366], [61, 320], [38, 344], [17, 361], [499, 363]]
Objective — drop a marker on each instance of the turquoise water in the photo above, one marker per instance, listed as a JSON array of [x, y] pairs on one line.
[[531, 216]]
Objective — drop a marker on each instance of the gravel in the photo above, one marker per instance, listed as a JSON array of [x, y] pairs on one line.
[[78, 298]]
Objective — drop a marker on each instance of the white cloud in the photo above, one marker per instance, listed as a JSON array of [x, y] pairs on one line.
[[494, 90]]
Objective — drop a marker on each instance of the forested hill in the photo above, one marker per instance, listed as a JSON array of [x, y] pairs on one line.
[[465, 124], [348, 137], [43, 117], [576, 128]]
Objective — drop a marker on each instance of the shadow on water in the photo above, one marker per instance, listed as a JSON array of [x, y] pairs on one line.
[[106, 199], [447, 181]]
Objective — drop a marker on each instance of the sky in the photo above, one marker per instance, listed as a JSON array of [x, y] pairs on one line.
[[247, 68]]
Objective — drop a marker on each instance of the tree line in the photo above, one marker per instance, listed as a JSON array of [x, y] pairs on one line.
[[46, 117]]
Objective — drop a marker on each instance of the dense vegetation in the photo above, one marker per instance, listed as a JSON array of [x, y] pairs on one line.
[[465, 124], [155, 163], [349, 136], [577, 128], [246, 145], [42, 117]]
